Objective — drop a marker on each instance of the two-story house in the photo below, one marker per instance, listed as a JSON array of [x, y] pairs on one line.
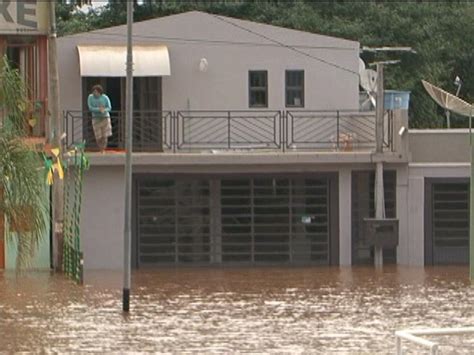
[[249, 146]]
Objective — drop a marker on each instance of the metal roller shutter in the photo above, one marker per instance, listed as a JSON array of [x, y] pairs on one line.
[[450, 223], [245, 220], [275, 220], [173, 221]]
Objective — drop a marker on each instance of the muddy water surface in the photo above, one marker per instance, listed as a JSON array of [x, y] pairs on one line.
[[235, 310]]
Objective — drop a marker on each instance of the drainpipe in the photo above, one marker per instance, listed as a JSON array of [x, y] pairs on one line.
[[379, 189]]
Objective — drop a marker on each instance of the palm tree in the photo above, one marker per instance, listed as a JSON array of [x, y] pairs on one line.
[[22, 186]]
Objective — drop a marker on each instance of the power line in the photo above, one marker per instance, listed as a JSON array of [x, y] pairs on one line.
[[286, 46], [218, 42]]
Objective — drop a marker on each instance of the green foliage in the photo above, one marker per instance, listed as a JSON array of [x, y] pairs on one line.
[[22, 185], [13, 98], [442, 33]]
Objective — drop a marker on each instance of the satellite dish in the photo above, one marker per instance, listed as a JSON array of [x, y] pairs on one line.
[[361, 66], [368, 80], [448, 101]]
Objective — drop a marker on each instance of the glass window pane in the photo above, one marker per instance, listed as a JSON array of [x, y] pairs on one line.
[[294, 88], [258, 88]]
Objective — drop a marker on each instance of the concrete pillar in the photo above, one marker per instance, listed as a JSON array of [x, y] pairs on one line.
[[402, 215], [416, 220], [345, 216], [379, 209]]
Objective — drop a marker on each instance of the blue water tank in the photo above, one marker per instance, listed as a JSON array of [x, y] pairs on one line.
[[396, 100]]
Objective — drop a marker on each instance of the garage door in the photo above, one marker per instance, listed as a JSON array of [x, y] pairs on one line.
[[275, 220], [447, 222], [231, 220], [173, 218]]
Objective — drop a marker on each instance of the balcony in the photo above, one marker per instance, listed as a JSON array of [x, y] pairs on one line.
[[239, 131]]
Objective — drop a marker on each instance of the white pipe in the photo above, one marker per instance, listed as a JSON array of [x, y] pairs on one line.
[[414, 336], [415, 339], [441, 331]]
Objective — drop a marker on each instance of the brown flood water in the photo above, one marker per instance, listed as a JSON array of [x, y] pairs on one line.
[[235, 310]]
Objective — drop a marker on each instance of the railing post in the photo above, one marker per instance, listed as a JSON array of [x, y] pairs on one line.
[[282, 130], [228, 129], [173, 131], [337, 130]]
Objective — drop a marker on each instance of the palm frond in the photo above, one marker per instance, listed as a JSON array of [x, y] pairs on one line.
[[22, 187]]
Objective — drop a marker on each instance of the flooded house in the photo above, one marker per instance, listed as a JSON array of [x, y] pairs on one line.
[[24, 31], [250, 147]]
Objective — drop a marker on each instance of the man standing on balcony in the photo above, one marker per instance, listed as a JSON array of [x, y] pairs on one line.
[[99, 106]]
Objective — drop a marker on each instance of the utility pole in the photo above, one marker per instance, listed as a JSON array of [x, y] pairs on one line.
[[57, 124], [458, 83], [127, 240], [471, 209], [379, 188]]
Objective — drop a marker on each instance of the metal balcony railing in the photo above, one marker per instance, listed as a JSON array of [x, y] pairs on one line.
[[335, 130], [250, 130], [151, 130], [198, 130]]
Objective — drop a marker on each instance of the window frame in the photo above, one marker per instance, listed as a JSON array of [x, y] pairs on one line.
[[294, 88], [252, 89]]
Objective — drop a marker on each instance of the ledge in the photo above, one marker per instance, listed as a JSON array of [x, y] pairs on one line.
[[229, 158]]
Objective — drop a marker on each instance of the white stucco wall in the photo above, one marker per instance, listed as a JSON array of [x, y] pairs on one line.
[[225, 84]]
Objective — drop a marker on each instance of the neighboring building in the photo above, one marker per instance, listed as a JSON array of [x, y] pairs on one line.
[[249, 148], [24, 28]]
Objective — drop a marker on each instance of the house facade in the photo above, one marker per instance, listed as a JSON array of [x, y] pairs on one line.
[[249, 148], [24, 30]]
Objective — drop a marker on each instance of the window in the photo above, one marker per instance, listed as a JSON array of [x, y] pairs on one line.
[[258, 88], [294, 88]]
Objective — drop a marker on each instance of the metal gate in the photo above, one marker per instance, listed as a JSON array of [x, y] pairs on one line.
[[275, 220], [232, 220], [173, 218], [447, 221]]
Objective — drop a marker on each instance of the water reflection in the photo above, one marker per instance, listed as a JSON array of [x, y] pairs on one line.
[[279, 310]]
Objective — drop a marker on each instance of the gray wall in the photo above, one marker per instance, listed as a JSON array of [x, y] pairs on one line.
[[102, 217], [225, 84], [103, 209], [413, 250], [439, 145]]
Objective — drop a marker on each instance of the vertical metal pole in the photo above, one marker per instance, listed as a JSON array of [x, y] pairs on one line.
[[379, 189], [471, 204], [128, 163], [57, 124], [448, 119]]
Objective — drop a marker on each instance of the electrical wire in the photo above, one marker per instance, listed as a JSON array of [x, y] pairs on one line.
[[217, 42], [275, 43], [286, 46]]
